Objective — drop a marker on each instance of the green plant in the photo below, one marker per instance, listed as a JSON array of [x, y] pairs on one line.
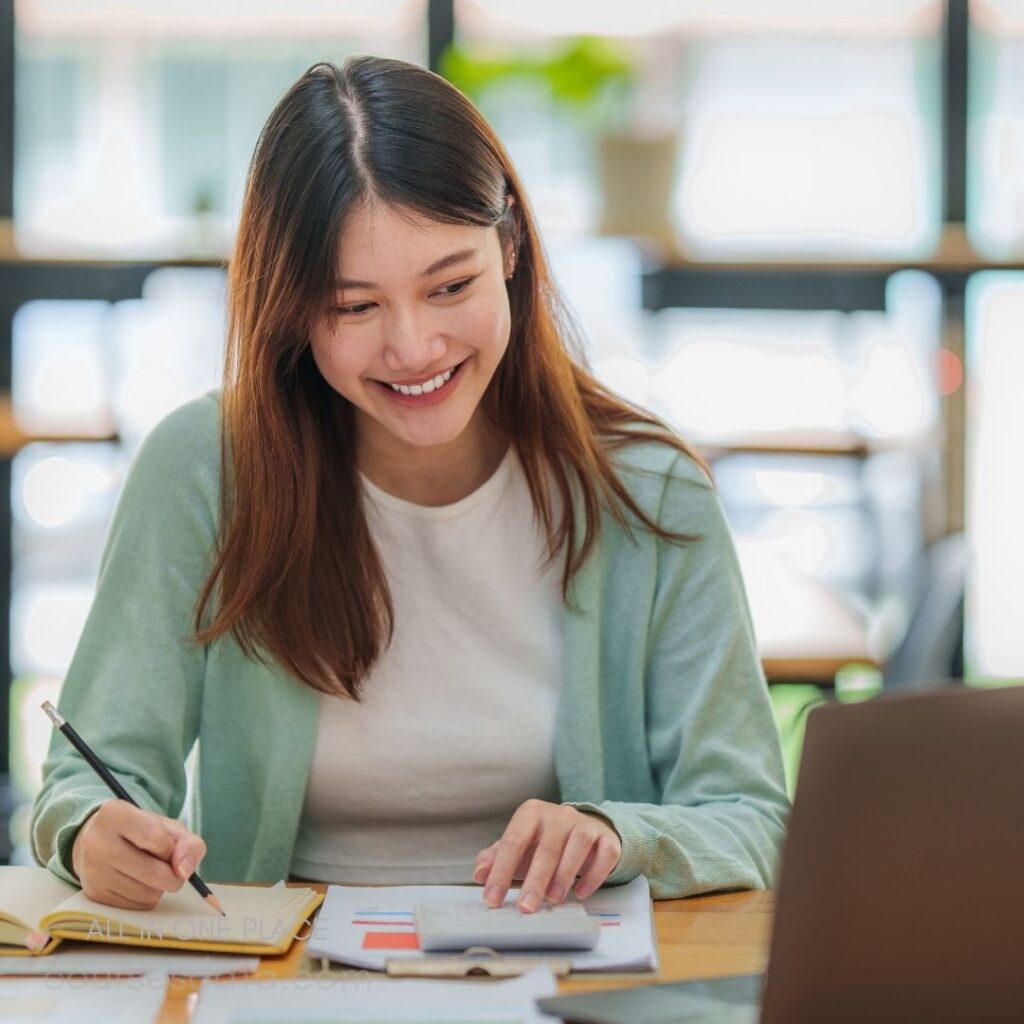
[[588, 74]]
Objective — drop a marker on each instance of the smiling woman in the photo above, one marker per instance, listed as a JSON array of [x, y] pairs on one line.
[[436, 604], [422, 323]]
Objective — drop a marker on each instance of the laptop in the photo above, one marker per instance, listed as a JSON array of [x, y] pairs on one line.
[[901, 893]]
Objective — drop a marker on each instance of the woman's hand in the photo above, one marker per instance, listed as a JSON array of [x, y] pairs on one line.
[[127, 857], [548, 845]]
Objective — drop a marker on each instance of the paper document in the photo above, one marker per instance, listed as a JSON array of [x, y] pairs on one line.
[[95, 960], [367, 926], [74, 1001], [376, 1002]]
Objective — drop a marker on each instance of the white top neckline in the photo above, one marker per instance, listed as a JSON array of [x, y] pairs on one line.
[[495, 483]]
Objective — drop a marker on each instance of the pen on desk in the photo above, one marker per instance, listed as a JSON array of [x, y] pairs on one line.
[[117, 789]]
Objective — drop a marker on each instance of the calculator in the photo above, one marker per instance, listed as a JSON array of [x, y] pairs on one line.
[[459, 925]]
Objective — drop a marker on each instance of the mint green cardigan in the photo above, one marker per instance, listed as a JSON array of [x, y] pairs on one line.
[[664, 724]]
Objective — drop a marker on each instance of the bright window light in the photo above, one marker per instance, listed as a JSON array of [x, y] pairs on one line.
[[137, 120], [646, 17], [59, 379], [628, 377], [31, 730], [46, 622], [814, 146], [55, 490], [772, 176], [999, 15], [169, 349], [995, 207], [890, 395], [720, 383], [210, 17], [791, 488], [995, 478]]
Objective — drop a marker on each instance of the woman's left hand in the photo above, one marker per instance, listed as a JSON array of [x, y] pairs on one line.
[[548, 845]]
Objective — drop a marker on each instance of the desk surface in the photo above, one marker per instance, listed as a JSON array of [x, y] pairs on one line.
[[702, 937]]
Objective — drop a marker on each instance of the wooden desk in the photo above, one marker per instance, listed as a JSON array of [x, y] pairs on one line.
[[703, 937]]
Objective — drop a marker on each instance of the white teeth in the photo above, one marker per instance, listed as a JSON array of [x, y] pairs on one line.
[[426, 387]]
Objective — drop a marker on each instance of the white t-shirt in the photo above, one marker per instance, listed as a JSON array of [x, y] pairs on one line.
[[455, 728]]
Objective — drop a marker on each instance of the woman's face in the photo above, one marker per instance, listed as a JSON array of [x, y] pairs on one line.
[[420, 323]]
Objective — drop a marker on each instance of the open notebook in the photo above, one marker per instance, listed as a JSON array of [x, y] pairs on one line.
[[260, 920]]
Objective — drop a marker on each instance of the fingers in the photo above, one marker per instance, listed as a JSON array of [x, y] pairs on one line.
[[148, 832], [128, 857], [567, 844], [602, 863], [136, 891], [548, 845], [518, 836], [483, 863], [189, 849], [115, 899], [575, 855], [143, 868]]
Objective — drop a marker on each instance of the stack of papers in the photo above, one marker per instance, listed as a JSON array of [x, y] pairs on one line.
[[103, 961], [367, 926], [376, 1002], [50, 1001]]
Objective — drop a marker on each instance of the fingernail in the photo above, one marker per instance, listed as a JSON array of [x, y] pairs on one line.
[[529, 903], [493, 895], [36, 940], [556, 893], [186, 867], [480, 874], [582, 891]]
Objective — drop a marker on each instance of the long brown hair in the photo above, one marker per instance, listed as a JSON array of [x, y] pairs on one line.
[[296, 576]]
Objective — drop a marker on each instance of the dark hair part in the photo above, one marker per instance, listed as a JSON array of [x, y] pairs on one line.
[[296, 576]]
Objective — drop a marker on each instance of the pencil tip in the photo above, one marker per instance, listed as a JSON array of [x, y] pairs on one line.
[[215, 903]]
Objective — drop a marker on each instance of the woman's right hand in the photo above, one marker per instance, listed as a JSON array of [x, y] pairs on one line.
[[127, 857]]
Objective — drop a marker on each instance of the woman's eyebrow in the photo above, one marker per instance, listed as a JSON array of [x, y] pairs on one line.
[[459, 256]]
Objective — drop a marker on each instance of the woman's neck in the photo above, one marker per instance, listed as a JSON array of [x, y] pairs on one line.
[[441, 475]]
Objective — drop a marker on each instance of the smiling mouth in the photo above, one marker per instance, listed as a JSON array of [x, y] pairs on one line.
[[426, 387]]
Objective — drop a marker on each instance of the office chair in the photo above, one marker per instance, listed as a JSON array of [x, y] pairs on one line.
[[931, 651]]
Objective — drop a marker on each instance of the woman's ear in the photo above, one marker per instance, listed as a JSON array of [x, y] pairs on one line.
[[509, 247]]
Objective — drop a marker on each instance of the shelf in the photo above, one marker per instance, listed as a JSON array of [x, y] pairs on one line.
[[953, 255], [10, 256], [789, 442], [13, 438]]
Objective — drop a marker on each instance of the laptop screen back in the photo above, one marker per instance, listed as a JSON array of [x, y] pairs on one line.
[[901, 896]]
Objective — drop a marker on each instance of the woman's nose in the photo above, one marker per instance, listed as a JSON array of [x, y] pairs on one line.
[[412, 344]]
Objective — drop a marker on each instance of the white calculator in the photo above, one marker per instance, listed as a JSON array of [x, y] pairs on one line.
[[457, 926]]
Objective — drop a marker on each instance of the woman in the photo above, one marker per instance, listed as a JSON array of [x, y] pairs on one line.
[[435, 604]]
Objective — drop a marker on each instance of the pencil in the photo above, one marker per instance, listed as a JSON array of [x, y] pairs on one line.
[[117, 789]]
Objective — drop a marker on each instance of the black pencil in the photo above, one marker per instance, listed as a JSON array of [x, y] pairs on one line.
[[117, 789]]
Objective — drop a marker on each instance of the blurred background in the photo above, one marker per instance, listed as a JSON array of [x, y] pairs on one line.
[[793, 229]]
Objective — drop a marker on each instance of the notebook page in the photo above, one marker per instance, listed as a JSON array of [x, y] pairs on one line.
[[30, 893], [255, 915]]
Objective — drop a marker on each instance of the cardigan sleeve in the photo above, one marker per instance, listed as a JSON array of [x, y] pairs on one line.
[[133, 687], [712, 739]]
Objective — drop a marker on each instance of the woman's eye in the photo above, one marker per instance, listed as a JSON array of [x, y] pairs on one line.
[[448, 290], [457, 287], [360, 307]]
